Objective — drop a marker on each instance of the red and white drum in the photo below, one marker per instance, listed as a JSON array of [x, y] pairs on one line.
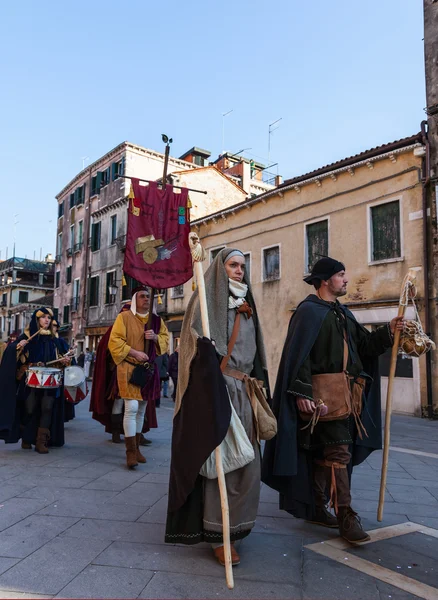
[[44, 377], [75, 386]]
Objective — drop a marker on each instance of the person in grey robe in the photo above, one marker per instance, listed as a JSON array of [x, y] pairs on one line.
[[228, 295]]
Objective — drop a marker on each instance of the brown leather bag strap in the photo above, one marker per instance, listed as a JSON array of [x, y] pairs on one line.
[[232, 341], [345, 353]]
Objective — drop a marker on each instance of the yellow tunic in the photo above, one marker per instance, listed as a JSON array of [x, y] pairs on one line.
[[127, 333]]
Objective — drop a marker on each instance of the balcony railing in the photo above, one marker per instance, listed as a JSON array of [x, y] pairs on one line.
[[77, 247], [69, 251], [121, 242]]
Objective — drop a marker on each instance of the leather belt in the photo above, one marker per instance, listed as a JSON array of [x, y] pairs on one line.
[[235, 374]]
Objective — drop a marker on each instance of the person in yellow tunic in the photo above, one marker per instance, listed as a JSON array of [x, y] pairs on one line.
[[127, 348]]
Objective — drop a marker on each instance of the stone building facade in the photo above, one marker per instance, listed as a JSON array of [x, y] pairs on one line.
[[366, 211], [25, 285]]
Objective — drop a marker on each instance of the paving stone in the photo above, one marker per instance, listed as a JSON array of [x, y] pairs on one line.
[[157, 513], [70, 507], [9, 595], [412, 555], [115, 480], [28, 535], [406, 495], [152, 533], [268, 509], [142, 494], [7, 563], [9, 490], [424, 510], [269, 495], [107, 582], [180, 585], [155, 478], [324, 578], [80, 495], [50, 481], [16, 509], [9, 472], [50, 568], [93, 469]]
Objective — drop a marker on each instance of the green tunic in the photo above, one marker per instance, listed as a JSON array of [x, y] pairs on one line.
[[326, 356]]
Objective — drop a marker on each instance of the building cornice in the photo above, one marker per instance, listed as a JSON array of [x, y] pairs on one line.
[[279, 191], [124, 146], [109, 207]]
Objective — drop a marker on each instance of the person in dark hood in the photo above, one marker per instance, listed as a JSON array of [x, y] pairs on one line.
[[311, 456], [27, 412], [203, 411]]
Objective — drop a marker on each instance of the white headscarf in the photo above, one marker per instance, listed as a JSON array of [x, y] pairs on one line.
[[134, 306]]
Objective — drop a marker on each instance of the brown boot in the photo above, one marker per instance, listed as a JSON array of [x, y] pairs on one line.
[[144, 441], [131, 452], [220, 555], [117, 428], [42, 440], [26, 445], [321, 515], [139, 455], [350, 526]]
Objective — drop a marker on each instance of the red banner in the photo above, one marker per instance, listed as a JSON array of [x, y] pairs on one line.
[[157, 242]]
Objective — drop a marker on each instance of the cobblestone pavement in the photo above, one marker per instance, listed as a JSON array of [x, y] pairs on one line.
[[77, 524]]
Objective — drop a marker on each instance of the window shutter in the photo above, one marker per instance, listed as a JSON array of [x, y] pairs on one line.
[[386, 231], [84, 188], [122, 166], [98, 181], [114, 171], [317, 242]]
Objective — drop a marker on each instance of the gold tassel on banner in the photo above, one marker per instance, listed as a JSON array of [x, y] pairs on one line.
[[131, 193], [159, 299], [124, 280], [189, 202], [193, 284]]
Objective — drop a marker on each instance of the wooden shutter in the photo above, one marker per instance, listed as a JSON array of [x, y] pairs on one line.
[[317, 242], [385, 228]]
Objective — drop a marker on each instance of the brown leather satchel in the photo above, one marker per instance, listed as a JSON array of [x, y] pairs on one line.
[[332, 390]]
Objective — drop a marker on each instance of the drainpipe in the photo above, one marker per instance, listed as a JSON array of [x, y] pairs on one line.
[[425, 180]]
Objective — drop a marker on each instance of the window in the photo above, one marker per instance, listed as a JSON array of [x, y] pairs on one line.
[[60, 209], [72, 200], [80, 232], [80, 194], [316, 243], [271, 263], [76, 293], [23, 297], [94, 291], [40, 278], [95, 237], [59, 252], [129, 284], [214, 252], [113, 230], [57, 278], [385, 231], [248, 265], [117, 169], [66, 314], [4, 300], [72, 236], [69, 274], [110, 281], [178, 291]]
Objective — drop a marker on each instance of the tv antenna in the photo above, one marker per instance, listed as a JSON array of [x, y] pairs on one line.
[[225, 114], [272, 128]]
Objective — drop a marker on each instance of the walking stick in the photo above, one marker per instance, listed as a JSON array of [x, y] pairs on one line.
[[198, 255], [408, 283]]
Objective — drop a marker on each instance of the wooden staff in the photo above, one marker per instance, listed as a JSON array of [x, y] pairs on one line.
[[198, 255], [28, 340], [404, 295]]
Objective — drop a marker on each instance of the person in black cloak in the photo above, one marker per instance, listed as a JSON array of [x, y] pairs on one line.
[[33, 414], [309, 457], [203, 410]]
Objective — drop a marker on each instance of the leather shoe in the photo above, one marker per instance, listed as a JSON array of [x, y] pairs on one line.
[[220, 555]]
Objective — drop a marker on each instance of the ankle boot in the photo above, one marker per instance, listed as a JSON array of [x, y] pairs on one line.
[[144, 441], [350, 526], [42, 440], [117, 428], [139, 456], [131, 451], [321, 515]]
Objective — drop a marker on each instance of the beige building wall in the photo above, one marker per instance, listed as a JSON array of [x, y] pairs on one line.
[[345, 198]]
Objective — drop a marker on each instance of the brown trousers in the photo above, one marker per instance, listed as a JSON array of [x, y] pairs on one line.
[[331, 473]]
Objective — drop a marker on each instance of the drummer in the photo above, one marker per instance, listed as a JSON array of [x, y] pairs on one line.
[[32, 414]]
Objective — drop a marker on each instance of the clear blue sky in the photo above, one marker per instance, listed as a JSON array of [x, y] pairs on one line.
[[78, 78]]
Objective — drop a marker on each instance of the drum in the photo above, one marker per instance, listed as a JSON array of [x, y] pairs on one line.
[[43, 377], [75, 387]]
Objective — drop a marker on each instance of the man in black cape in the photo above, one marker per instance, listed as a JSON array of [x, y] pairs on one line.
[[307, 462]]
